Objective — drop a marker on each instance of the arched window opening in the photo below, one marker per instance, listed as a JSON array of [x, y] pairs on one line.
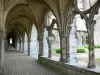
[[45, 44], [78, 41], [34, 43], [55, 42], [11, 41], [97, 38], [51, 37]]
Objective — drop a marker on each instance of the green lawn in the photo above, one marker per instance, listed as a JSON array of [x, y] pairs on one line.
[[98, 59], [54, 52]]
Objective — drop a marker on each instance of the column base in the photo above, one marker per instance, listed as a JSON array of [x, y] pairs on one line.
[[63, 60], [39, 55], [91, 65], [28, 54], [1, 71], [49, 56], [22, 51]]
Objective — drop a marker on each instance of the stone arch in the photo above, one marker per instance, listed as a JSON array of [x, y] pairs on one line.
[[13, 20], [90, 29], [50, 8], [50, 21]]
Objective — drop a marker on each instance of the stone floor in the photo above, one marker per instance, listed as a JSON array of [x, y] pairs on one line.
[[16, 63]]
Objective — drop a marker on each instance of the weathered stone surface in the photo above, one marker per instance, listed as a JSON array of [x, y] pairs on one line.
[[18, 16], [67, 69]]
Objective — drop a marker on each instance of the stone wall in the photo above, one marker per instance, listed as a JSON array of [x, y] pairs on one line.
[[66, 69]]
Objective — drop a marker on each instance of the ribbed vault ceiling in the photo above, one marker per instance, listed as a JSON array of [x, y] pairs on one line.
[[22, 14]]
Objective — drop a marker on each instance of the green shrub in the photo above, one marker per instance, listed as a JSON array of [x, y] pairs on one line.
[[58, 50], [81, 50], [97, 46]]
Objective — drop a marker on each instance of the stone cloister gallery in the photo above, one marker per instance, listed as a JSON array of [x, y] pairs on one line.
[[32, 31]]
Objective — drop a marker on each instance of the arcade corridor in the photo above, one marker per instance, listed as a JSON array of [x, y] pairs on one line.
[[39, 28]]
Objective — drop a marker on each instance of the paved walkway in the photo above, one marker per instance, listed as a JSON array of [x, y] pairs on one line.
[[16, 63]]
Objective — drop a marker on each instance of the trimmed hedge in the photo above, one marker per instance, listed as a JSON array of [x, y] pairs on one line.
[[96, 46], [81, 50], [58, 50]]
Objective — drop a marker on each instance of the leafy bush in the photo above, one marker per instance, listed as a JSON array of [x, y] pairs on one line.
[[58, 50], [97, 46], [81, 50]]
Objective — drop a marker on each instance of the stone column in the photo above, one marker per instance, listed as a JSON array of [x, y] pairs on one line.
[[63, 48], [19, 45], [90, 31], [45, 43], [68, 43], [22, 45], [40, 39], [49, 42], [73, 43], [16, 44], [49, 46], [2, 48], [21, 41], [29, 47], [50, 36], [2, 34], [6, 45], [64, 44]]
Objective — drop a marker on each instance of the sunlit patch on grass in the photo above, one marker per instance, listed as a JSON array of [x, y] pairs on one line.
[[54, 52]]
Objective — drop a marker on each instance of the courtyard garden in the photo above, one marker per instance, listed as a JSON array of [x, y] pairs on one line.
[[82, 53]]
